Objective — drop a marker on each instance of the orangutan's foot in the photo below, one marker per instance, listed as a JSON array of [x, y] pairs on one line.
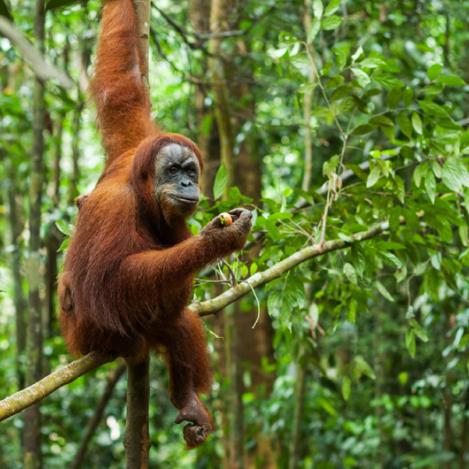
[[200, 423]]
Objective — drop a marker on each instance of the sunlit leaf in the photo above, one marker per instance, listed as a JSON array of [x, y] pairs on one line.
[[373, 177], [221, 180], [434, 70], [417, 123], [317, 8], [382, 289], [331, 22], [455, 175], [332, 7]]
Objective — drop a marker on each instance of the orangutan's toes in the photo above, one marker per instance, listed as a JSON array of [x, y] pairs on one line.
[[194, 435]]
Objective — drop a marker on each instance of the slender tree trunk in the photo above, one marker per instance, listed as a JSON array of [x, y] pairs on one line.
[[464, 439], [53, 237], [220, 14], [448, 438], [235, 405], [307, 106], [76, 142], [205, 120], [137, 441], [299, 397], [32, 416], [93, 423], [16, 226]]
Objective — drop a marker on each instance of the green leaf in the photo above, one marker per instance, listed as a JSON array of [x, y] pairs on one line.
[[346, 387], [363, 129], [419, 173], [382, 289], [404, 124], [315, 28], [341, 51], [330, 166], [450, 79], [430, 185], [417, 123], [362, 77], [434, 70], [64, 227], [418, 330], [327, 406], [331, 22], [332, 7], [455, 175], [350, 273], [363, 368], [373, 177], [433, 109], [410, 342], [317, 8], [221, 180], [382, 121]]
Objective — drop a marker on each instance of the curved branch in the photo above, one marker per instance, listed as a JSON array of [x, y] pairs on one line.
[[34, 393], [43, 70], [28, 396]]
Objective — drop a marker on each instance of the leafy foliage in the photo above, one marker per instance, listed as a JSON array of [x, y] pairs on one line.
[[380, 330]]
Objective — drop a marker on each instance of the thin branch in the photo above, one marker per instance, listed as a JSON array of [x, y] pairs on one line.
[[95, 419], [42, 69], [34, 393], [214, 305], [26, 397]]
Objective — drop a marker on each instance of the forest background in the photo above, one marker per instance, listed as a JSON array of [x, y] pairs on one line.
[[344, 125]]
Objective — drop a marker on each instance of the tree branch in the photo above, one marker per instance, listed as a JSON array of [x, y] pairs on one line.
[[34, 393], [28, 396], [43, 70], [214, 305]]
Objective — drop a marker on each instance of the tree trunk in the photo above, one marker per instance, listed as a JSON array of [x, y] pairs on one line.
[[307, 106], [96, 418], [464, 439], [299, 396], [220, 15], [207, 135], [137, 442], [53, 237], [16, 226], [76, 142], [32, 416], [235, 404]]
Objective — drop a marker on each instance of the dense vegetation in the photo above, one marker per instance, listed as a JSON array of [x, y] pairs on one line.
[[328, 119]]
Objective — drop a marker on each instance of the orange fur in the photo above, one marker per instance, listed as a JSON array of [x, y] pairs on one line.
[[128, 271], [128, 274]]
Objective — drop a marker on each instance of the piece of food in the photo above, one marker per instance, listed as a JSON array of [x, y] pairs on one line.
[[225, 219]]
